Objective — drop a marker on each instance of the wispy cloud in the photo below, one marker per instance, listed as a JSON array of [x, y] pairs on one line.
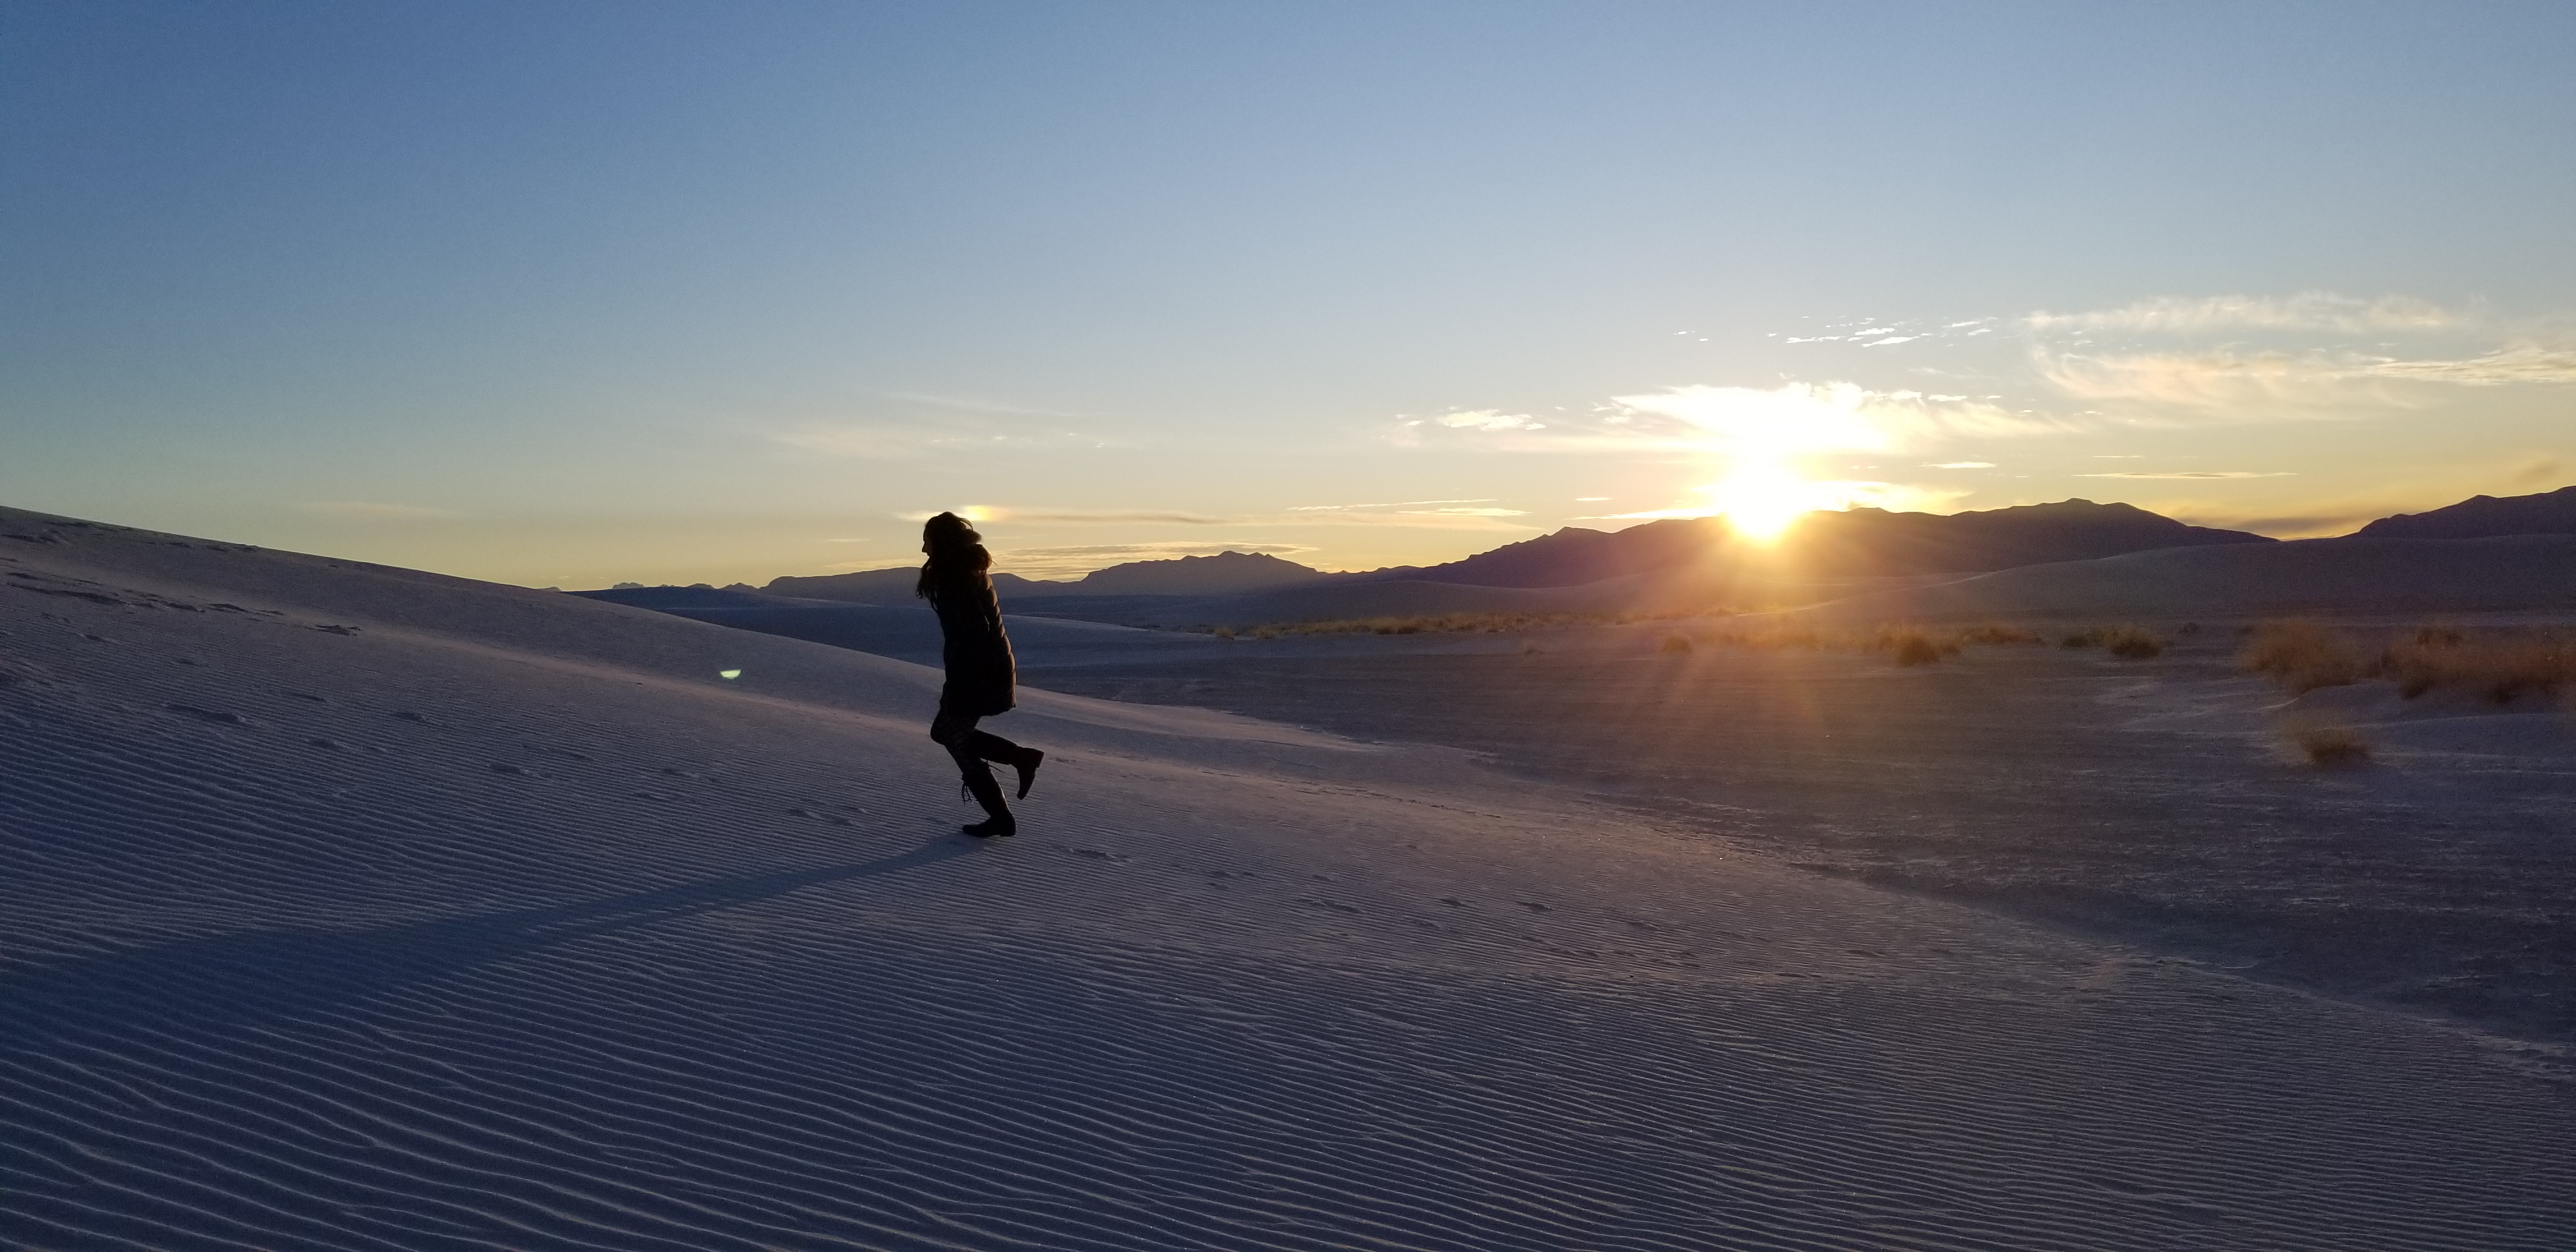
[[2523, 363], [373, 510], [2259, 385], [2307, 311], [1489, 419], [999, 513], [2198, 474], [1962, 465], [1400, 504], [1808, 418], [2251, 385]]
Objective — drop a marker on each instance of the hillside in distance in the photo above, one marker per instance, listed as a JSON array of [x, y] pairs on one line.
[[1859, 543], [1862, 542], [2483, 517], [1226, 573]]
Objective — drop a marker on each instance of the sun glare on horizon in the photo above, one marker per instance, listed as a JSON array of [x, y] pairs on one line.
[[1762, 501]]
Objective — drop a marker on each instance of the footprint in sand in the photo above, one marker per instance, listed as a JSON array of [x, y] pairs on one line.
[[208, 715]]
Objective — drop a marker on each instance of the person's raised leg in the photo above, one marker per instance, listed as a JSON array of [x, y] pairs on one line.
[[1001, 751]]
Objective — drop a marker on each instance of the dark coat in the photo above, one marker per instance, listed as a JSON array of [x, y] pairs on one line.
[[973, 647]]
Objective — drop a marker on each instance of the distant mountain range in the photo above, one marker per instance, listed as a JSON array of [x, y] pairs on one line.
[[2484, 517], [1227, 573], [1855, 544]]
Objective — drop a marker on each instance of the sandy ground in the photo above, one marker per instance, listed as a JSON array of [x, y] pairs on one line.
[[354, 908], [2152, 801]]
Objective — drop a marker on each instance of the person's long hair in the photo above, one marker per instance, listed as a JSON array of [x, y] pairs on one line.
[[956, 554]]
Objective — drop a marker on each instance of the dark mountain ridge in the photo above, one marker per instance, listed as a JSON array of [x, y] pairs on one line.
[[1862, 542], [1227, 573], [1859, 543], [2483, 517]]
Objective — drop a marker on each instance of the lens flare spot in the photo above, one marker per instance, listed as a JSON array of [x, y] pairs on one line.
[[728, 673]]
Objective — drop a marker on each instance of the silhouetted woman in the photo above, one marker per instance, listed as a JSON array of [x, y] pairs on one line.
[[978, 657]]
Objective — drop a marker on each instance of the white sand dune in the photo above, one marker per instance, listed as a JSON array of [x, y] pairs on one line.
[[359, 908], [2371, 576]]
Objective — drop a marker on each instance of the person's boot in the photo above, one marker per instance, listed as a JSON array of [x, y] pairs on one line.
[[987, 792], [995, 748], [1027, 762]]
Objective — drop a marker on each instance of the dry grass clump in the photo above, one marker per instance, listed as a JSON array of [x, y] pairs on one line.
[[2132, 643], [1774, 639], [2499, 668], [2326, 744], [1674, 643], [2302, 656], [1997, 632], [1470, 623], [1912, 645], [1911, 648]]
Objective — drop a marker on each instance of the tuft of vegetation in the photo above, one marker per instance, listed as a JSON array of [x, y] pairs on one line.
[[1675, 643], [2132, 643], [2326, 744], [1470, 623], [2302, 656], [1998, 633], [2501, 668], [1912, 648]]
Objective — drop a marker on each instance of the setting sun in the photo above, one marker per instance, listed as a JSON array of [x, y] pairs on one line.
[[1761, 501]]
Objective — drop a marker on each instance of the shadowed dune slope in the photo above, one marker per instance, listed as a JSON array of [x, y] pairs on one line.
[[359, 908], [2305, 576]]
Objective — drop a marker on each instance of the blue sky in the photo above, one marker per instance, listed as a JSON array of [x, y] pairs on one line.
[[566, 294]]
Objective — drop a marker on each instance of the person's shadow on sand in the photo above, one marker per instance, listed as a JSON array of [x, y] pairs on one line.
[[264, 974]]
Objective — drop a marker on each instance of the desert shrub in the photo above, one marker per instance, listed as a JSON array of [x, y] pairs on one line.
[[2089, 637], [1265, 632], [1996, 632], [2326, 744], [1470, 623], [2132, 643], [1675, 643], [2302, 656], [1912, 648], [1223, 632], [2498, 668]]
